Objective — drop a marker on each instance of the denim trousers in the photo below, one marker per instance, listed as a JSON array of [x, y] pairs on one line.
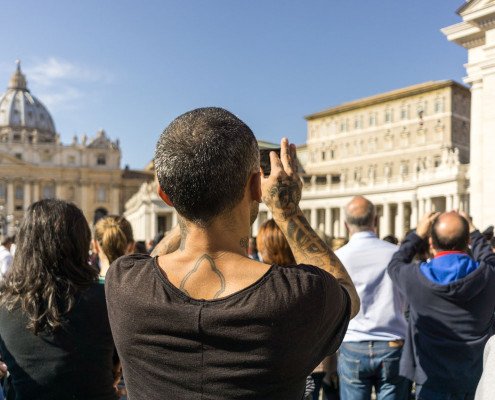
[[424, 393], [363, 365]]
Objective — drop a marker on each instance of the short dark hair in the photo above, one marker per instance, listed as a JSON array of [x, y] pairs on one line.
[[458, 242], [203, 160]]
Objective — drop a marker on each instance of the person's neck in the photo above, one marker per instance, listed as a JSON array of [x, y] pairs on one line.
[[104, 264], [225, 235], [352, 232]]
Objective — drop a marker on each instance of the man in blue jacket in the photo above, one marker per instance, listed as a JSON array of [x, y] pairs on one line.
[[452, 303]]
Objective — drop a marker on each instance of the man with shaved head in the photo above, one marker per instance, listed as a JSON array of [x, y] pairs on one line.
[[452, 303], [369, 356]]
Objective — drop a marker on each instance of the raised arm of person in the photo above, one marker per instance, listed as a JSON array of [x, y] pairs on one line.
[[281, 192], [482, 251]]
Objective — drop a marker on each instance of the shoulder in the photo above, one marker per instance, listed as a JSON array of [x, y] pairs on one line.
[[127, 272], [305, 276], [126, 264]]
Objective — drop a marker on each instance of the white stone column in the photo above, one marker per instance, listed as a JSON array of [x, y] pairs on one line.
[[342, 232], [399, 222], [449, 202], [414, 212], [455, 202], [84, 201], [328, 222], [428, 205], [27, 195], [10, 197], [314, 219], [421, 208], [385, 222], [174, 218], [256, 226], [36, 191]]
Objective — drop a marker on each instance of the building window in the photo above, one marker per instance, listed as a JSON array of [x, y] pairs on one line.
[[71, 160], [19, 193], [373, 119], [18, 156], [3, 190], [438, 105], [323, 155], [358, 122], [49, 191], [101, 194], [388, 115], [46, 156], [404, 112], [437, 161], [101, 159]]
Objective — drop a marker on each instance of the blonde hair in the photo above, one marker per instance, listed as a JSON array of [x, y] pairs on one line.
[[113, 234]]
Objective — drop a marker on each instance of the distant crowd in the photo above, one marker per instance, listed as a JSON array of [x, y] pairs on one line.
[[207, 311]]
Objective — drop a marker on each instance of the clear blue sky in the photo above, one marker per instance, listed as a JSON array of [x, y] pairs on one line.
[[132, 66]]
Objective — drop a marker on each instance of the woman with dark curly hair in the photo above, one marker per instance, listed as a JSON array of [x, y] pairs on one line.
[[54, 332]]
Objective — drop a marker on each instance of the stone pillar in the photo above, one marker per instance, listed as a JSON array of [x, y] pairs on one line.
[[385, 221], [414, 212], [27, 195], [449, 202], [59, 190], [174, 218], [314, 219], [399, 222], [256, 226], [115, 198], [342, 232], [328, 222], [428, 205], [84, 201], [455, 202], [10, 197], [36, 191]]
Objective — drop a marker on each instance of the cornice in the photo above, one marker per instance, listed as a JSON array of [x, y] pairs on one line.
[[386, 97]]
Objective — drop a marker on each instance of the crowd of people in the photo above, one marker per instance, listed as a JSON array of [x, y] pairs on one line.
[[209, 312]]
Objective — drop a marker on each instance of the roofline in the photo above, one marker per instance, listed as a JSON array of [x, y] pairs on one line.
[[387, 96]]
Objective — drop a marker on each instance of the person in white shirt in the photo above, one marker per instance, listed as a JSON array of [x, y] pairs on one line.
[[370, 354], [6, 257]]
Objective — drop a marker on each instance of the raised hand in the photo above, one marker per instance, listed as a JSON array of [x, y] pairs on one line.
[[281, 191]]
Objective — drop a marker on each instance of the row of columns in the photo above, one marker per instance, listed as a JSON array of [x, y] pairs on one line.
[[390, 223]]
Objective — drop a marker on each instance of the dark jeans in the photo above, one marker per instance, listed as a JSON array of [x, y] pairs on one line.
[[363, 365], [423, 393]]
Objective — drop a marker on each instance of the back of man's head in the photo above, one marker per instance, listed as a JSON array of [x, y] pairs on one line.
[[360, 215], [450, 231], [203, 161]]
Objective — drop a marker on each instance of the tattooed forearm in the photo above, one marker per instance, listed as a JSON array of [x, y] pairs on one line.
[[205, 258], [284, 197], [308, 248]]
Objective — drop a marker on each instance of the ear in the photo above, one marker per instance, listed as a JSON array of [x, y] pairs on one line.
[[255, 186], [96, 246], [130, 248], [164, 196], [432, 249]]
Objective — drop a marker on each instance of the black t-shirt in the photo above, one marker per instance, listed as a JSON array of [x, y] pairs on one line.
[[259, 343], [74, 363]]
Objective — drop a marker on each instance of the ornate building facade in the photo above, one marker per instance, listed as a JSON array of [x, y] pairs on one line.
[[34, 164], [476, 33], [406, 150]]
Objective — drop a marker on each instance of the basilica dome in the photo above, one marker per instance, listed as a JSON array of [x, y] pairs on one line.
[[20, 110]]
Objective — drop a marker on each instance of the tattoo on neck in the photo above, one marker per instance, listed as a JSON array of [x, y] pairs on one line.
[[244, 242], [183, 234], [214, 269]]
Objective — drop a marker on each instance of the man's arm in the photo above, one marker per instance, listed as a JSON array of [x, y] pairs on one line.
[[481, 248], [408, 249], [281, 192]]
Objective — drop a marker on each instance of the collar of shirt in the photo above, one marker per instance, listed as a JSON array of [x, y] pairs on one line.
[[362, 235]]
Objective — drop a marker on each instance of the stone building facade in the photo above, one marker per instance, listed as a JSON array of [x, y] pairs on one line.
[[34, 164], [406, 150], [476, 33]]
